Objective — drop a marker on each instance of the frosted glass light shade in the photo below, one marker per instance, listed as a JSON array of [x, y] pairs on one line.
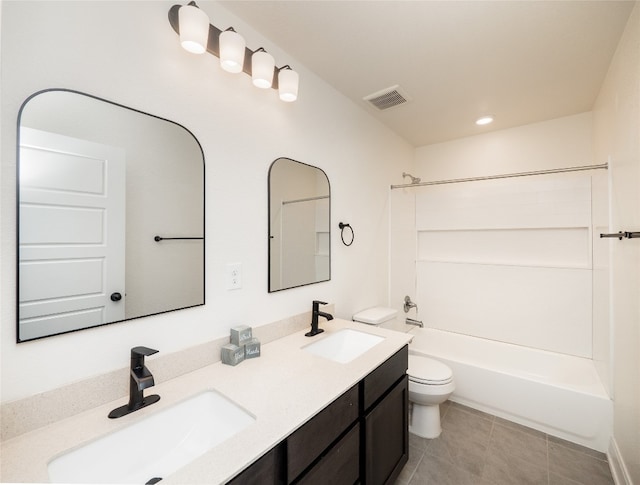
[[194, 29], [232, 46], [262, 65], [288, 85]]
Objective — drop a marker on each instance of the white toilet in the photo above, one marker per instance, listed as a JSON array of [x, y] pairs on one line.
[[430, 382]]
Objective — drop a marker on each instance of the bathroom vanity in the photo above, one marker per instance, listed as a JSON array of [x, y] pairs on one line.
[[360, 437], [314, 419]]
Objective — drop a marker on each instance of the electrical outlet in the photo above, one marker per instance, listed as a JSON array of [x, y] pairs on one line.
[[234, 276]]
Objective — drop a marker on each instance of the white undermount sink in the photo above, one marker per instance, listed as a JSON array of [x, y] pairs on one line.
[[344, 345], [156, 446]]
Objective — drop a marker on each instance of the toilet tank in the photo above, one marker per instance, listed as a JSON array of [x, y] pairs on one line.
[[375, 315]]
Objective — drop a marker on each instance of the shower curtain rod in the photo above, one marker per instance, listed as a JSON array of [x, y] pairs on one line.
[[504, 176]]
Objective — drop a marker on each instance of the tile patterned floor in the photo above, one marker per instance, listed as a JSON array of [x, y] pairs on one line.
[[476, 448]]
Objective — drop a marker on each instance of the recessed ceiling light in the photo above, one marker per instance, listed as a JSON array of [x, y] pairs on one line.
[[484, 120]]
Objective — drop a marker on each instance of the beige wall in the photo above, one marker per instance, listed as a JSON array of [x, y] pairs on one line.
[[127, 52], [617, 136], [561, 142]]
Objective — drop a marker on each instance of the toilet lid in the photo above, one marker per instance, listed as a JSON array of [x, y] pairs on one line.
[[375, 316], [428, 371]]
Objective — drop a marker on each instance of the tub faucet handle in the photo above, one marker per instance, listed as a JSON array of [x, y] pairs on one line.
[[408, 304]]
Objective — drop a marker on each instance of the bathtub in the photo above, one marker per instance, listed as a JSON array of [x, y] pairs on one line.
[[555, 393]]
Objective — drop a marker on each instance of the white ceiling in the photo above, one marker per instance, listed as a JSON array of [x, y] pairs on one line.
[[522, 61]]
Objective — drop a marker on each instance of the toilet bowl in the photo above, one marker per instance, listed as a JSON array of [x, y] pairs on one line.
[[430, 382]]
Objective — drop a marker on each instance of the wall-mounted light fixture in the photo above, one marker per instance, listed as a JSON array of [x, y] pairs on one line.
[[287, 84], [262, 68], [198, 36], [194, 29], [232, 47]]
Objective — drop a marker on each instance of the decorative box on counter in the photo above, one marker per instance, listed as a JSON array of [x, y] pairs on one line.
[[241, 335], [252, 349], [243, 346], [232, 354]]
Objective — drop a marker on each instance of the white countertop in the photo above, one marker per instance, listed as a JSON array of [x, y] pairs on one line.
[[283, 389]]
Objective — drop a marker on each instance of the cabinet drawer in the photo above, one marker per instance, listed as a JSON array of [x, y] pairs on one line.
[[313, 438], [385, 376], [341, 465], [267, 470]]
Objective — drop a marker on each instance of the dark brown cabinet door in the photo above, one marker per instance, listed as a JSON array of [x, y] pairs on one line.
[[341, 465], [387, 436], [384, 377], [312, 440]]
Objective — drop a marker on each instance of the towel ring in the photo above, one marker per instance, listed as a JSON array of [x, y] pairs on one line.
[[353, 235]]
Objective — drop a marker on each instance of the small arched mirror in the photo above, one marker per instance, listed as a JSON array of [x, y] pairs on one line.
[[110, 214], [299, 225]]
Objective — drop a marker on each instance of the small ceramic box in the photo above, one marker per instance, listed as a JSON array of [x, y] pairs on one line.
[[241, 335], [252, 349], [232, 354]]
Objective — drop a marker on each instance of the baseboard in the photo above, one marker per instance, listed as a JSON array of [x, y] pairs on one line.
[[616, 463]]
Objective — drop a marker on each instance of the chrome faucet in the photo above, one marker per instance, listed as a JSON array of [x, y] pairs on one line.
[[411, 321], [315, 313], [408, 304], [139, 379]]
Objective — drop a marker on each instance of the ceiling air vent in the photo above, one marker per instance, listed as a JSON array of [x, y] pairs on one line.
[[387, 98]]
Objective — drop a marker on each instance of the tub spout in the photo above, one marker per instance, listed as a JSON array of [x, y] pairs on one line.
[[411, 321]]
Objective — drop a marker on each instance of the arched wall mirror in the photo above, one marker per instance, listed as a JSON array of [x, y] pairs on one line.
[[110, 214], [299, 225]]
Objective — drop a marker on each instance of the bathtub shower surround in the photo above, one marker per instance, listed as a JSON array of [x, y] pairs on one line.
[[558, 394], [504, 276], [517, 252]]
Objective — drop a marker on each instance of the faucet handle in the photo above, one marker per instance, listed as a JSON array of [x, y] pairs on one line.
[[316, 303], [138, 352], [408, 304]]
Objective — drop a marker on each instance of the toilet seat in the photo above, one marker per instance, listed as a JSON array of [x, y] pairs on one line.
[[423, 370]]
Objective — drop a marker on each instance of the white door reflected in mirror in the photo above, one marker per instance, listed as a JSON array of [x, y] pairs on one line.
[[111, 214], [72, 233]]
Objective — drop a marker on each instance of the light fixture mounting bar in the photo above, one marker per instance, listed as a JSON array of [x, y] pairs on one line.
[[213, 45]]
